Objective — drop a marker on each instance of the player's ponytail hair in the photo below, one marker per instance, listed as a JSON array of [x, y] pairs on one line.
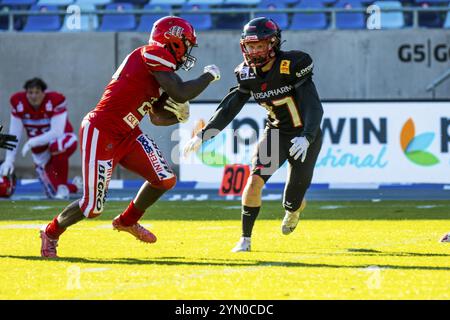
[[35, 83]]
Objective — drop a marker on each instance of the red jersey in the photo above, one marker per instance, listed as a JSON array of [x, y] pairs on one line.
[[132, 90], [37, 121]]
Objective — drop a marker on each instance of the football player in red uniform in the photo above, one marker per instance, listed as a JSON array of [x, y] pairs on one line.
[[110, 134], [43, 115]]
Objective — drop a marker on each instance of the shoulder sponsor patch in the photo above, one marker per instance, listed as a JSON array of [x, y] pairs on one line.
[[246, 73], [131, 120], [48, 106], [20, 107], [284, 66], [305, 71]]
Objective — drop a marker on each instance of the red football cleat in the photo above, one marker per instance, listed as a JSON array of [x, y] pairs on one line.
[[136, 230], [48, 246]]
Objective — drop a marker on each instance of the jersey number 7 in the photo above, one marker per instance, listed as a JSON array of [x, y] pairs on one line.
[[291, 106]]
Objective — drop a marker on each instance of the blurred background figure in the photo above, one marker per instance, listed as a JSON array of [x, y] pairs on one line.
[[51, 140]]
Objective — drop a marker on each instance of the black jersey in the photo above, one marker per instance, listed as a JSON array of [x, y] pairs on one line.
[[286, 91], [275, 90]]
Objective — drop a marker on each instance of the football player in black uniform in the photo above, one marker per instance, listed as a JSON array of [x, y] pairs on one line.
[[281, 82]]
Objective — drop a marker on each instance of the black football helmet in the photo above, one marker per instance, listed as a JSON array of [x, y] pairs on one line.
[[261, 29]]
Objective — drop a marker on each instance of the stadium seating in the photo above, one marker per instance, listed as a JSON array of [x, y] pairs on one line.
[[206, 21], [168, 2], [351, 20], [304, 21], [242, 2], [287, 2], [4, 23], [429, 19], [147, 20], [37, 23], [447, 20], [87, 22], [115, 22], [282, 19], [328, 2], [233, 20], [432, 2], [206, 2], [136, 3], [391, 20], [93, 2], [54, 2], [18, 2], [200, 21]]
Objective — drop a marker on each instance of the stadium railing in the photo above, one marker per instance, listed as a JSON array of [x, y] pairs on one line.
[[437, 82], [252, 12]]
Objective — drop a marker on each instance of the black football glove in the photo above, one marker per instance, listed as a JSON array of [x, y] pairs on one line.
[[6, 140]]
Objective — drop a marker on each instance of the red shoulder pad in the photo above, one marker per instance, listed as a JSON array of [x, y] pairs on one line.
[[158, 59]]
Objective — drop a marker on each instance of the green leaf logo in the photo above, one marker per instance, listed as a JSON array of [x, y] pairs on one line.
[[415, 147]]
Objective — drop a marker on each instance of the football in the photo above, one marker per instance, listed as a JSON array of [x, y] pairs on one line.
[[158, 108]]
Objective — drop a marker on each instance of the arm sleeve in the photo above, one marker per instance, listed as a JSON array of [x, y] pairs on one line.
[[15, 128], [57, 126], [227, 110], [312, 110]]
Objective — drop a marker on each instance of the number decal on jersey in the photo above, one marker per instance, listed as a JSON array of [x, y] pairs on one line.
[[119, 70], [270, 112], [33, 132], [291, 106], [146, 107]]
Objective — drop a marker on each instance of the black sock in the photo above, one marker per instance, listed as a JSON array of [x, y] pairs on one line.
[[249, 215]]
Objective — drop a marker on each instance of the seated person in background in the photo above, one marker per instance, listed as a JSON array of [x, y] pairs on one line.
[[51, 139]]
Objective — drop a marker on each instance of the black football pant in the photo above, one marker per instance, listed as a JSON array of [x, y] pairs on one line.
[[273, 151]]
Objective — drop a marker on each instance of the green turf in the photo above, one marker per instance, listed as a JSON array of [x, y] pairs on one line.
[[340, 250]]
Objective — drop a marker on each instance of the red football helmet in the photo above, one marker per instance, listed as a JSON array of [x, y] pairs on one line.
[[178, 36], [7, 186]]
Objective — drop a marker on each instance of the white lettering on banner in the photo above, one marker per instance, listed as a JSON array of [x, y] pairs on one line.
[[364, 142]]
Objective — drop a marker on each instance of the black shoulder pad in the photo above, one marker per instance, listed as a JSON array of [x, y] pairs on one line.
[[244, 72], [302, 66]]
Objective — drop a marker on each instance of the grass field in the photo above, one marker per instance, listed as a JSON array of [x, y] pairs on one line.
[[340, 250]]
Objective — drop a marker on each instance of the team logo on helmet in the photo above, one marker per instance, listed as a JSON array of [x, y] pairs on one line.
[[176, 31]]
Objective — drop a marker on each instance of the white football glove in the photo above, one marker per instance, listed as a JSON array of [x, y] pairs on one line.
[[192, 145], [26, 147], [213, 70], [6, 168], [299, 148], [180, 110]]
